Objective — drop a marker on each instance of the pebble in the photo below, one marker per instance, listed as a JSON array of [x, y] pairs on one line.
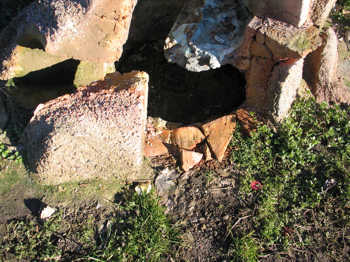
[[47, 212]]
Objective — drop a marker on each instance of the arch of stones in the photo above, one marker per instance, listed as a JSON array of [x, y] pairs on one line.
[[274, 43]]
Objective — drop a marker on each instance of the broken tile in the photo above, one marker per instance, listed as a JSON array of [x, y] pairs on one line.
[[155, 147], [189, 159], [219, 133], [187, 137]]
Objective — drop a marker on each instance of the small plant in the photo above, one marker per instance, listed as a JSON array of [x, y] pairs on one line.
[[303, 166], [245, 249], [137, 230], [27, 239], [339, 16], [10, 154], [142, 233]]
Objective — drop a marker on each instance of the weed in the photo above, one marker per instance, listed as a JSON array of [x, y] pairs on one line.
[[303, 167], [137, 230], [142, 233], [27, 239], [245, 249], [10, 154], [339, 16], [209, 176]]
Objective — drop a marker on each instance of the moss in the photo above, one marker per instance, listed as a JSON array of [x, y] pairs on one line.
[[96, 189], [301, 42], [88, 72], [27, 60], [343, 51]]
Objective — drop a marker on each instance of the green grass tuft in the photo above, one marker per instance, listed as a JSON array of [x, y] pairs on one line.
[[137, 230], [304, 168]]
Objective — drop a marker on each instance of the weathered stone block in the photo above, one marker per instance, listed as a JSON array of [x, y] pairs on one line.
[[260, 50], [84, 30], [321, 10], [97, 132], [187, 137], [24, 60], [219, 133], [320, 69], [282, 89], [257, 78], [295, 12], [287, 41], [321, 72]]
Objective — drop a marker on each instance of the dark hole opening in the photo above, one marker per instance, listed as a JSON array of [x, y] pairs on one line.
[[30, 42], [178, 95]]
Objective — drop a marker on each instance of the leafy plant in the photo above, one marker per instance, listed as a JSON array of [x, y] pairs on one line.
[[10, 154], [245, 249], [339, 16], [27, 239], [302, 166]]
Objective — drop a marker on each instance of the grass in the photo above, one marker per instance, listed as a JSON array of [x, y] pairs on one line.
[[142, 233], [304, 169], [137, 230]]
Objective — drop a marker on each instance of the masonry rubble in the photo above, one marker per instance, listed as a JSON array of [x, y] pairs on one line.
[[274, 43], [267, 40], [200, 141]]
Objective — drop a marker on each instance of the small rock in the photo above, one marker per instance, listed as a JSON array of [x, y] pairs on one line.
[[165, 181], [187, 137], [189, 159], [155, 147], [219, 133], [47, 212]]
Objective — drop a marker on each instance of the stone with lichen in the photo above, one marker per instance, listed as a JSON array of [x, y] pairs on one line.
[[97, 132]]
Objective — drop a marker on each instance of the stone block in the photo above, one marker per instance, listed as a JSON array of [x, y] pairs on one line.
[[219, 133], [189, 159], [84, 30], [187, 137], [282, 89], [24, 60], [257, 78], [321, 10], [295, 12], [97, 132]]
